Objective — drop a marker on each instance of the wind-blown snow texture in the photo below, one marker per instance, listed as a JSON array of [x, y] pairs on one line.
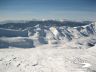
[[36, 33]]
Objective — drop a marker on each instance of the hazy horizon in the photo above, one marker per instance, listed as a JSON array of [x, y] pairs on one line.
[[47, 9]]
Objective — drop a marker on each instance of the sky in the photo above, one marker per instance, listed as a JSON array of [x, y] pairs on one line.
[[47, 9]]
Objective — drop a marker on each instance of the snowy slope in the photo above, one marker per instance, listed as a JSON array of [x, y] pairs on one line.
[[48, 60]]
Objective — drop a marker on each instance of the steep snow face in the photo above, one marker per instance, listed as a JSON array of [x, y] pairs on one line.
[[54, 31], [41, 34]]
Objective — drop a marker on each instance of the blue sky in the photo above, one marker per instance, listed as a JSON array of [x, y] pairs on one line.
[[47, 9]]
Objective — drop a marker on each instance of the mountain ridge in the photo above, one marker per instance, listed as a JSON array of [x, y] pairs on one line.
[[41, 34]]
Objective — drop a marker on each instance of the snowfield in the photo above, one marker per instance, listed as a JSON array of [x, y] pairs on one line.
[[48, 60], [48, 46]]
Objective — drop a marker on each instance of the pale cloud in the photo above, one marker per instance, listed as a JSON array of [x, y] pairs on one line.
[[29, 15]]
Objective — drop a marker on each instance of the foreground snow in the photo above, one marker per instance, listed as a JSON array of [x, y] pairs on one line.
[[48, 60]]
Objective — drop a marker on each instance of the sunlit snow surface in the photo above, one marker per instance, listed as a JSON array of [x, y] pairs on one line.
[[54, 31], [47, 59], [86, 65]]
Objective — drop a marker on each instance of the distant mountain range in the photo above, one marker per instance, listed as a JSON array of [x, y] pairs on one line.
[[48, 32]]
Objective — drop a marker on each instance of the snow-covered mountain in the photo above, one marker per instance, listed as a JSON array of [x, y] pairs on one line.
[[52, 46], [55, 33]]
